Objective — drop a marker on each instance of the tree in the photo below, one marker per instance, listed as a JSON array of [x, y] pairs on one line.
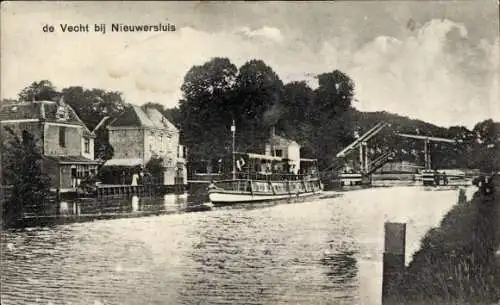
[[330, 116], [297, 100], [259, 95], [295, 117], [487, 132], [22, 160], [92, 105], [486, 152], [334, 93], [155, 168], [207, 107], [39, 91], [174, 116]]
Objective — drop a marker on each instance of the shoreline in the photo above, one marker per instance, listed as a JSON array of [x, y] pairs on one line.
[[458, 262]]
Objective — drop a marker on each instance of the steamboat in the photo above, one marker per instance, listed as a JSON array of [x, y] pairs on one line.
[[278, 174]]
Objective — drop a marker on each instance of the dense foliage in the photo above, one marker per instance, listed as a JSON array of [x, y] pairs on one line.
[[22, 171], [321, 120]]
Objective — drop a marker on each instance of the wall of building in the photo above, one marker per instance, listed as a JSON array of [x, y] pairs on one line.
[[293, 153], [73, 140], [161, 143], [127, 143], [145, 143], [267, 150], [169, 175], [155, 143]]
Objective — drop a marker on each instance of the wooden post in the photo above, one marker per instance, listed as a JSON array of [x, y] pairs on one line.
[[462, 198], [394, 260], [58, 201]]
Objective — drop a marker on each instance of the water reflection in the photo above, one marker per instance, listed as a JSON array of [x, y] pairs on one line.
[[169, 203], [307, 253], [135, 204]]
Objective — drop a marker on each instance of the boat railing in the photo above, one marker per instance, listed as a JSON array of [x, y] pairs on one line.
[[276, 186], [276, 176], [239, 185]]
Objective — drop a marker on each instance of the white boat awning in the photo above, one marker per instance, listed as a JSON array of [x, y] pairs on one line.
[[264, 157], [123, 162], [308, 160]]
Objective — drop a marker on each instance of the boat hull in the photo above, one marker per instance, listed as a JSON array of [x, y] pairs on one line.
[[224, 198]]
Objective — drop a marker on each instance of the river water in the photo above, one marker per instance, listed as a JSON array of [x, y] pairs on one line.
[[325, 251]]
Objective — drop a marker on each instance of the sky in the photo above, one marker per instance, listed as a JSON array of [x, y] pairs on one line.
[[434, 61]]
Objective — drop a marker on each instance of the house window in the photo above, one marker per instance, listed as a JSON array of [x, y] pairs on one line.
[[62, 136], [86, 145], [278, 153]]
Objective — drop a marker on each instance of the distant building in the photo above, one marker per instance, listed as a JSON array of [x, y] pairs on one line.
[[277, 146], [138, 135], [66, 142], [399, 167]]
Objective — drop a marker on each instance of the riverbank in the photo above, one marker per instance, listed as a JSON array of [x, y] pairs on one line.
[[326, 250], [458, 261]]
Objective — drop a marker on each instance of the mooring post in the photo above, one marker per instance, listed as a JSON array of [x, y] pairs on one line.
[[394, 260], [58, 201], [462, 198]]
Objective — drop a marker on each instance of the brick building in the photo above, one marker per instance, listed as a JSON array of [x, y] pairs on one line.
[[66, 142], [138, 135]]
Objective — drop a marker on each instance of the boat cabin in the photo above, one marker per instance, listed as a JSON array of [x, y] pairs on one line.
[[265, 167]]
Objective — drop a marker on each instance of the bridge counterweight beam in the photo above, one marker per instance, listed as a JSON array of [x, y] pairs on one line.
[[365, 145], [361, 158]]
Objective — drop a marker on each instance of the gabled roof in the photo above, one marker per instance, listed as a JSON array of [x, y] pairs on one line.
[[159, 120], [135, 116], [48, 111]]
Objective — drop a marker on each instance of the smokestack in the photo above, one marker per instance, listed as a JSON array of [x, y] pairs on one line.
[[273, 131]]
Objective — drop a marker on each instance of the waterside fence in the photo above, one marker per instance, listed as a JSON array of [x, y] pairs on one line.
[[91, 203]]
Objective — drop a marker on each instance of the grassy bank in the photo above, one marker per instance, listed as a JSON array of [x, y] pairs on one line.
[[456, 263]]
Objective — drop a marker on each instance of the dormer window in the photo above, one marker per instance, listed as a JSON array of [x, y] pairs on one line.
[[62, 113]]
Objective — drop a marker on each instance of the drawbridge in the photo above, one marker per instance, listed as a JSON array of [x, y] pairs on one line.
[[366, 166]]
